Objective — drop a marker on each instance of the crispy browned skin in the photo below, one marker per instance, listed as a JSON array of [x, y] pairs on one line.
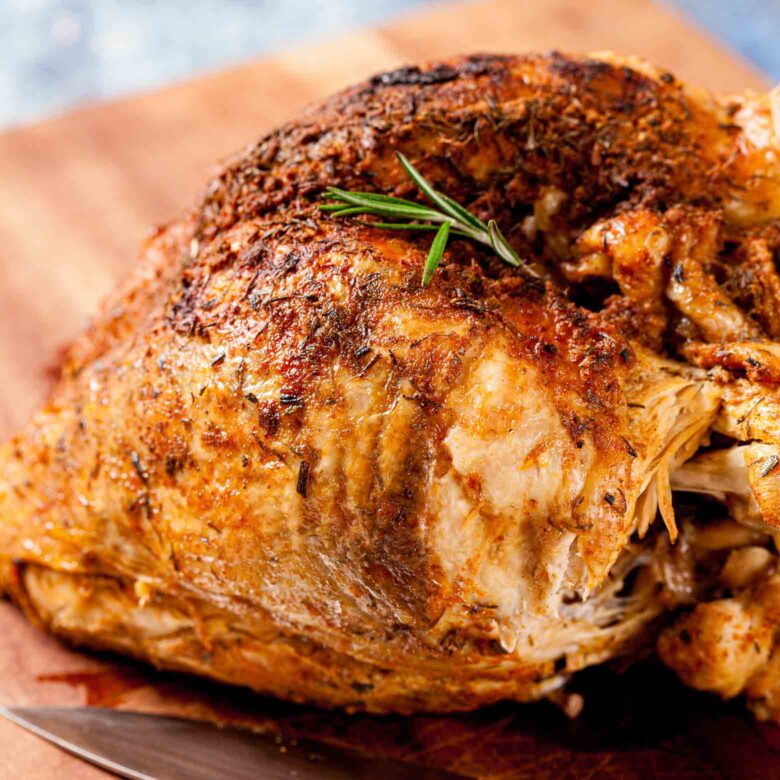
[[278, 460]]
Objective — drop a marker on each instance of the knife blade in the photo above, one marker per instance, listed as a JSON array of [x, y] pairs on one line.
[[140, 746]]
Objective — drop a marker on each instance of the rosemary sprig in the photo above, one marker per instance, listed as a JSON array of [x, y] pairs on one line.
[[445, 216], [435, 254]]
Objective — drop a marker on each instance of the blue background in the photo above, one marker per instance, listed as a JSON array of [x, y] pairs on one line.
[[57, 53]]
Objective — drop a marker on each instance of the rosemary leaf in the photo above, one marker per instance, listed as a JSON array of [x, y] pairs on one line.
[[435, 254], [466, 216], [376, 196], [390, 209], [501, 246], [332, 206], [400, 225], [426, 189], [347, 211]]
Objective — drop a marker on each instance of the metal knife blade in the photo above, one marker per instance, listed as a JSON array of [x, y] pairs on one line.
[[153, 747]]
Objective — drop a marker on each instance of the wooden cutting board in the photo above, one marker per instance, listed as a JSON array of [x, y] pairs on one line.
[[76, 196]]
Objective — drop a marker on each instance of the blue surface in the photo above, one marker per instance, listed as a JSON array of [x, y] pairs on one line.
[[58, 53], [55, 54], [750, 27]]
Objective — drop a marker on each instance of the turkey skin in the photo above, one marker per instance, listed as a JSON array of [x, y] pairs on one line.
[[277, 459]]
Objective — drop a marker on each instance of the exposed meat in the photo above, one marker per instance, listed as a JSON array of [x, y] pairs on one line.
[[277, 459]]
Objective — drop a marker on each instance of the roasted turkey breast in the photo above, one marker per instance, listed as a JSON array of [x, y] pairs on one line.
[[277, 459]]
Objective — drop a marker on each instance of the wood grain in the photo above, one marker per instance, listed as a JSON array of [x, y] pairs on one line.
[[76, 196]]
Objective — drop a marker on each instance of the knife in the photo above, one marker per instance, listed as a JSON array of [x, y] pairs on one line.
[[153, 747]]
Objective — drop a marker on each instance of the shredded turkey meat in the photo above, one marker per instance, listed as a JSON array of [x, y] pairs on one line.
[[279, 460]]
